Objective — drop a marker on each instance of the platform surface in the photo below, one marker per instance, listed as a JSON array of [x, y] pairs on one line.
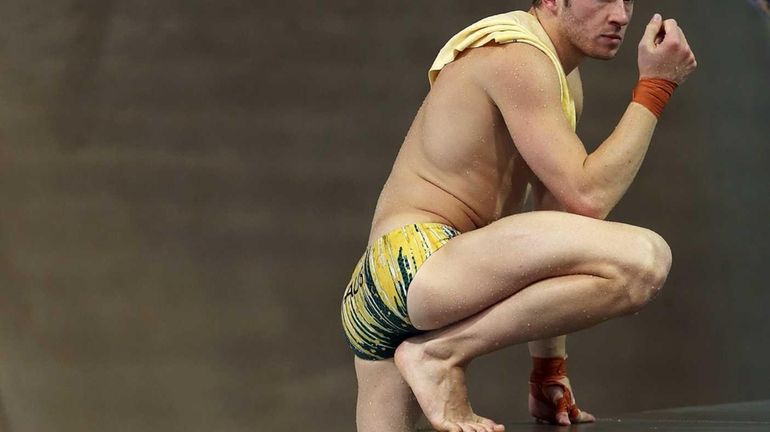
[[740, 417]]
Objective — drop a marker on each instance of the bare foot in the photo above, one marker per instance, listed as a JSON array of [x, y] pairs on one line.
[[441, 391], [547, 413]]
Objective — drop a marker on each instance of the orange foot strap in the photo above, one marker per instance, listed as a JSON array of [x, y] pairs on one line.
[[547, 372]]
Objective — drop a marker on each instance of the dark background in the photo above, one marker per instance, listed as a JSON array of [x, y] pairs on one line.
[[186, 186]]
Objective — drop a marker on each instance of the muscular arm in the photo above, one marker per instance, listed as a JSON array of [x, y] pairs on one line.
[[617, 161], [524, 85], [621, 167], [621, 154], [529, 99]]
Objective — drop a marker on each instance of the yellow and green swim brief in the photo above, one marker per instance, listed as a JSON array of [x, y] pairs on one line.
[[374, 314]]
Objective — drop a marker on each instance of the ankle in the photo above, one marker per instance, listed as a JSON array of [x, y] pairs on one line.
[[444, 351]]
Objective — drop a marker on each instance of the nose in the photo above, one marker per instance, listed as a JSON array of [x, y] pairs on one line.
[[620, 15]]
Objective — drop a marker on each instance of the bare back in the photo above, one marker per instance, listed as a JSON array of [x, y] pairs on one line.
[[458, 164]]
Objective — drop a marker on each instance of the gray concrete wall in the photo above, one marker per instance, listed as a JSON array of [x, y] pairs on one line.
[[187, 184]]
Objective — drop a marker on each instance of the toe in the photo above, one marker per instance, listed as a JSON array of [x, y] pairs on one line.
[[584, 417], [478, 427], [484, 428], [562, 418], [491, 425]]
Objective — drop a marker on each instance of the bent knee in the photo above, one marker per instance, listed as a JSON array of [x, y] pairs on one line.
[[426, 321], [646, 276], [420, 311]]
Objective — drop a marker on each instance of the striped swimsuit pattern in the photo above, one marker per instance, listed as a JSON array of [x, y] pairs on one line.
[[374, 314]]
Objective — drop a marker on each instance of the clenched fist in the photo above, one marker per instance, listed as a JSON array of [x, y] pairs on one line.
[[664, 52]]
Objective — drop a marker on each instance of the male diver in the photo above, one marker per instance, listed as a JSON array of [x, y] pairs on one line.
[[455, 268]]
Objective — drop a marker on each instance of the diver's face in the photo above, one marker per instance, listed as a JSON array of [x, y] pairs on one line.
[[596, 27]]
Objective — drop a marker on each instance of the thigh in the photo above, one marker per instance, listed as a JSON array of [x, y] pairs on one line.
[[480, 268]]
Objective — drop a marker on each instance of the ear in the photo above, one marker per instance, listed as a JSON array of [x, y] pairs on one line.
[[551, 6]]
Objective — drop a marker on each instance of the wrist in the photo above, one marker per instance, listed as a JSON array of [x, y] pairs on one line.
[[542, 352], [544, 368], [654, 94], [549, 347]]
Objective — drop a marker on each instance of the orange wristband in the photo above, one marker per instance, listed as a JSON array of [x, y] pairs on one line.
[[545, 368], [548, 372], [654, 94]]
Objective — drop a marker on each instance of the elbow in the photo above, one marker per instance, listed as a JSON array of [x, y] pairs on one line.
[[576, 201], [589, 205]]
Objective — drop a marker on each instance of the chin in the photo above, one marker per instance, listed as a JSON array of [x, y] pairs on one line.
[[603, 54]]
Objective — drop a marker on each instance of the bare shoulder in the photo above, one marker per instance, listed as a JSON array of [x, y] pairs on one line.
[[519, 73]]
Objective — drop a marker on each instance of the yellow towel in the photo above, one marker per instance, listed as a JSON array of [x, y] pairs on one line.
[[517, 26]]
